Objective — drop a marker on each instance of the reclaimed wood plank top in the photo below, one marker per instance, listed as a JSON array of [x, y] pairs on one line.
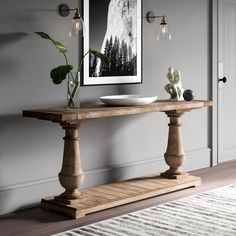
[[61, 115]]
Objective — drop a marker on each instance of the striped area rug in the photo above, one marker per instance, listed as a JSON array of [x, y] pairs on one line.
[[211, 213]]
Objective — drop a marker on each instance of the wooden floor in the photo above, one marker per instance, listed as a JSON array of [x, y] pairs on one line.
[[38, 222]]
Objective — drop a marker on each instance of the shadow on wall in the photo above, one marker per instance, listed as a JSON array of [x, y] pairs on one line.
[[7, 64], [116, 173], [128, 89], [98, 162], [24, 157], [121, 170], [7, 39], [9, 141], [109, 157]]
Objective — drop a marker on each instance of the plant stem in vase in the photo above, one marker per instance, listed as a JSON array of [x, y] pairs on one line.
[[73, 87]]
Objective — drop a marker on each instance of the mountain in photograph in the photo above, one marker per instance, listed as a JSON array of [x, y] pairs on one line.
[[119, 43]]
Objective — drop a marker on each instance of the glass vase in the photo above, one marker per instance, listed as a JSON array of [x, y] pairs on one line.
[[73, 87]]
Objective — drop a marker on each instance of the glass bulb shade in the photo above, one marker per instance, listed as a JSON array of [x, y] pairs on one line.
[[163, 33], [77, 28]]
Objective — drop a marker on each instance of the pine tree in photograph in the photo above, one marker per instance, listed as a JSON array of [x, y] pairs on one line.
[[107, 52], [113, 57], [122, 59], [92, 65]]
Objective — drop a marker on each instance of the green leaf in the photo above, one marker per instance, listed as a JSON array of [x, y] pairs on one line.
[[104, 59], [43, 35], [59, 73], [59, 46]]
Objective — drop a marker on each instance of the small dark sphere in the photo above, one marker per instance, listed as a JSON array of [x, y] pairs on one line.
[[188, 95]]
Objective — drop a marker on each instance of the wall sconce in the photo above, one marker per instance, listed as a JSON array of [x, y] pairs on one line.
[[163, 32], [77, 27]]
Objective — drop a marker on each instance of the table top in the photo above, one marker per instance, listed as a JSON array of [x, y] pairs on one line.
[[61, 115]]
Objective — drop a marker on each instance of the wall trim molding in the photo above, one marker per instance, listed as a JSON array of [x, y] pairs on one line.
[[27, 184], [214, 81], [157, 159]]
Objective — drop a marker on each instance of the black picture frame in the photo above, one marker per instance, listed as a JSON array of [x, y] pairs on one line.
[[115, 30]]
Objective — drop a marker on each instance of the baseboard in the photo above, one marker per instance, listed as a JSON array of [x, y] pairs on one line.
[[24, 195], [228, 154]]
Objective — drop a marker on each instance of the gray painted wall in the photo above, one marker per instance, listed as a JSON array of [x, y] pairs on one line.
[[111, 149]]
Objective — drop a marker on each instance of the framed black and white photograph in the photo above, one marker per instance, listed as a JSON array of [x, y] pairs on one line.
[[113, 27]]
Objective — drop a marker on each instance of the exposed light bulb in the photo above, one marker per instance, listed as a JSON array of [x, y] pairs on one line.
[[164, 29], [77, 28], [163, 32], [77, 24]]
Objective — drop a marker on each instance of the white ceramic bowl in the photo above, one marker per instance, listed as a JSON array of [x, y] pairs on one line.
[[128, 100]]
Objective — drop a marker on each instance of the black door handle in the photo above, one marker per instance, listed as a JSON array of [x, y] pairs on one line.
[[224, 80]]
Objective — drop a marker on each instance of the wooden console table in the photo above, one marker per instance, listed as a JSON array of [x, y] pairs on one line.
[[77, 203]]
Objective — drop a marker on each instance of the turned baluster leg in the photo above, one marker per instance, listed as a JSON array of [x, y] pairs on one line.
[[71, 175], [174, 156]]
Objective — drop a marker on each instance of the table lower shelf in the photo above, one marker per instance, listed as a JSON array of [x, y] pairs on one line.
[[116, 194]]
